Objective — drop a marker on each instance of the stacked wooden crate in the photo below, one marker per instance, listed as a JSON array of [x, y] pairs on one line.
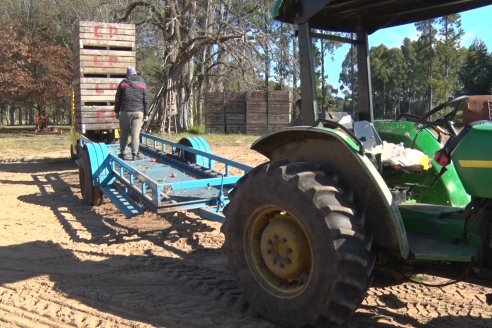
[[235, 112], [255, 113], [279, 104], [215, 112], [102, 52]]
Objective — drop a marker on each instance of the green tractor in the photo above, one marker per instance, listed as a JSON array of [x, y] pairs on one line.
[[339, 198]]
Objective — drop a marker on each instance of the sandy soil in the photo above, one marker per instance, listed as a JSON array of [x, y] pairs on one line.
[[63, 264]]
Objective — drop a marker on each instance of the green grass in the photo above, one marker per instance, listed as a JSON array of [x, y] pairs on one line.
[[29, 128], [22, 146], [215, 139], [197, 129]]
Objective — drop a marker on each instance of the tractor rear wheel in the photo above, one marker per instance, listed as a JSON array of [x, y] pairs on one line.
[[91, 195], [297, 246]]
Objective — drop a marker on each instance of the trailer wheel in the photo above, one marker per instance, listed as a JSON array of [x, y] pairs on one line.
[[73, 153], [91, 195], [297, 246]]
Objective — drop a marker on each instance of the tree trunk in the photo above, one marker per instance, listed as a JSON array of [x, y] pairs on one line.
[[294, 71], [323, 90], [31, 116], [429, 88], [20, 116], [384, 99], [205, 62], [163, 111], [11, 116]]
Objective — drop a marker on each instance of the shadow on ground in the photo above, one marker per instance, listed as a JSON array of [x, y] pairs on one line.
[[190, 289]]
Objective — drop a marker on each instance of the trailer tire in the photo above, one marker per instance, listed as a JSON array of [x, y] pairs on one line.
[[297, 246], [91, 195], [73, 153]]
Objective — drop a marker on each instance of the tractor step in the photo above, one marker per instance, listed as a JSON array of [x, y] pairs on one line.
[[426, 248], [122, 201]]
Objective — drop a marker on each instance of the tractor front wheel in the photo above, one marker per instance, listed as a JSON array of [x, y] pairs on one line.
[[297, 245], [91, 195]]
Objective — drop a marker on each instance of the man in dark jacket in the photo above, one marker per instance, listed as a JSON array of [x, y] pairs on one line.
[[131, 105]]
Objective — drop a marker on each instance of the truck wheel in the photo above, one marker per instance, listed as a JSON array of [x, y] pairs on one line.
[[91, 195], [297, 246]]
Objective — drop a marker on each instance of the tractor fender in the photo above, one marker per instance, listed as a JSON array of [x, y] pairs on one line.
[[336, 152], [99, 163]]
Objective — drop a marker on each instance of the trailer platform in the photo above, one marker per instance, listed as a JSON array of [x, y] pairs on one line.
[[170, 177]]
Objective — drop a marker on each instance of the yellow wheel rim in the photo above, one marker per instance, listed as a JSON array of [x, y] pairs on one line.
[[279, 252]]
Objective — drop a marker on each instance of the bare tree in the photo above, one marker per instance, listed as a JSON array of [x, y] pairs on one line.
[[216, 34]]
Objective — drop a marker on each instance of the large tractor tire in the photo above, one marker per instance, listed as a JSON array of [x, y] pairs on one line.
[[91, 195], [297, 245]]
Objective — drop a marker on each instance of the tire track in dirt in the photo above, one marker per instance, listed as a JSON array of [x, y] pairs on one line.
[[85, 267], [176, 293], [40, 306], [415, 305]]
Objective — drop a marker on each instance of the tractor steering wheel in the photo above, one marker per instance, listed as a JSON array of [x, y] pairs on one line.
[[444, 124]]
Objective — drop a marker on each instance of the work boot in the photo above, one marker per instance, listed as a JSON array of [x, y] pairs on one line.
[[124, 157], [137, 157]]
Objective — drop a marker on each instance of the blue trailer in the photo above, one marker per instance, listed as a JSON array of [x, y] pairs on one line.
[[170, 177]]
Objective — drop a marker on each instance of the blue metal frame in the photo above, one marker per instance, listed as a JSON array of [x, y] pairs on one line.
[[162, 181], [163, 145]]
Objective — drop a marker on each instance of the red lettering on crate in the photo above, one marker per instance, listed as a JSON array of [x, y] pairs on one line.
[[113, 60], [100, 115], [97, 60], [97, 31], [112, 31], [98, 88], [113, 86]]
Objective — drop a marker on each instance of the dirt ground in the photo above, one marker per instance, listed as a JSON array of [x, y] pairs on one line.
[[63, 264]]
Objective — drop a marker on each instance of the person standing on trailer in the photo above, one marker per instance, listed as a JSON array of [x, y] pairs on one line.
[[131, 108]]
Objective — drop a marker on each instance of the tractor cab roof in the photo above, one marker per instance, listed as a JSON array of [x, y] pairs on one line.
[[345, 15]]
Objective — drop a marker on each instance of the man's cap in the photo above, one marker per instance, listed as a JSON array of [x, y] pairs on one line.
[[131, 71]]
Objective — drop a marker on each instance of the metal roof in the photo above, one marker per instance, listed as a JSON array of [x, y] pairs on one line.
[[344, 15]]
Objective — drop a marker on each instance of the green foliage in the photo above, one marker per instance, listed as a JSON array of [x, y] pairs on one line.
[[149, 67], [389, 73], [348, 78], [422, 73], [232, 45], [476, 72], [197, 129]]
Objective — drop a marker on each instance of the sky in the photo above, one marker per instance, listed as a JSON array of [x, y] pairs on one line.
[[475, 23]]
